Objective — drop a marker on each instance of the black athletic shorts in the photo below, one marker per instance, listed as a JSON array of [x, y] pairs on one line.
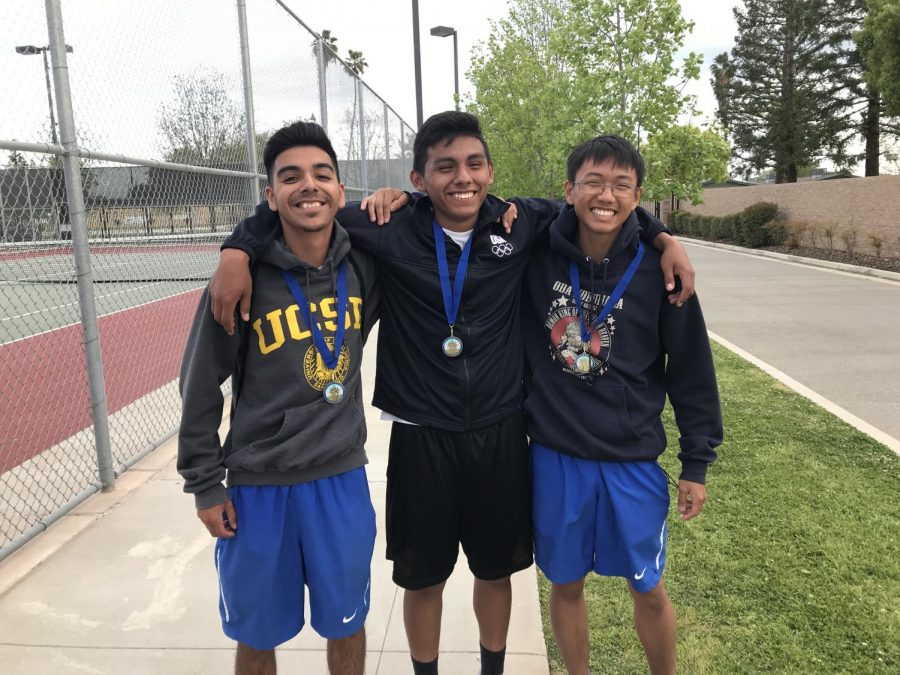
[[446, 488]]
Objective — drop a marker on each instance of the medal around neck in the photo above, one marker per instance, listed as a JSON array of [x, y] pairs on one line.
[[333, 392], [583, 363], [452, 346]]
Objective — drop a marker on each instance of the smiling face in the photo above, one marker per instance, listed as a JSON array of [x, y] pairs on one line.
[[457, 177], [603, 214], [304, 189]]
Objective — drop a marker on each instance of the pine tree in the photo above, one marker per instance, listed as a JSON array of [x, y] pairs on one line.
[[790, 98]]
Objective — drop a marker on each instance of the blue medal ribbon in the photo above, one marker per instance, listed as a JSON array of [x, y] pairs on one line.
[[328, 358], [617, 293], [451, 300]]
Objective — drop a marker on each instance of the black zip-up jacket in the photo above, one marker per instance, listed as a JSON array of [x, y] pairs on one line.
[[414, 379], [647, 349]]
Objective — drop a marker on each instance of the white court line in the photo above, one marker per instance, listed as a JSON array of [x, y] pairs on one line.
[[818, 399], [97, 297], [75, 323]]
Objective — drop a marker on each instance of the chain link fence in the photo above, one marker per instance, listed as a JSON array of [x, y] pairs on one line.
[[126, 156]]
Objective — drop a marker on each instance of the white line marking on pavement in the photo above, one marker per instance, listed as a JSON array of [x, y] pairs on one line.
[[818, 399]]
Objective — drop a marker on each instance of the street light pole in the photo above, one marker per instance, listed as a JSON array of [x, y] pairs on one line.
[[447, 31], [57, 182], [417, 58], [31, 50]]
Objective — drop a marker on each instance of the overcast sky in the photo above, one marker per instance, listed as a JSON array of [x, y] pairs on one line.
[[382, 30], [127, 53]]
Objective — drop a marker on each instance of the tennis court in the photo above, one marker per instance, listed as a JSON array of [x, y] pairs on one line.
[[146, 292]]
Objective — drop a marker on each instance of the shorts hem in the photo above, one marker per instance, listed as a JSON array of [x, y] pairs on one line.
[[416, 585], [558, 578], [494, 576], [262, 646]]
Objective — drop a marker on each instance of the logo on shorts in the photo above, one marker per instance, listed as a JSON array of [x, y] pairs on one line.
[[500, 247], [637, 577], [348, 619]]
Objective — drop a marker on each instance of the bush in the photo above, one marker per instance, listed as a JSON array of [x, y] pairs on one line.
[[750, 231], [778, 232], [848, 236], [676, 221], [877, 243]]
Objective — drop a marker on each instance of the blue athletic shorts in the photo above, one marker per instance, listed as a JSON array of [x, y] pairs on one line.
[[320, 535], [609, 517]]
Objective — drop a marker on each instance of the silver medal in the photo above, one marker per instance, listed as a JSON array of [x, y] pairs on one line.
[[333, 392], [583, 363], [452, 346]]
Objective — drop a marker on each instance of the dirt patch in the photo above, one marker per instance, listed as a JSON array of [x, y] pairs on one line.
[[889, 264]]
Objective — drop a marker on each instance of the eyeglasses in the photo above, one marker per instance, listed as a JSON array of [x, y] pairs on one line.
[[593, 187]]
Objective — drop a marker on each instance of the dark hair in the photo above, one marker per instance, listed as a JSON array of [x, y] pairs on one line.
[[446, 127], [601, 148], [298, 133]]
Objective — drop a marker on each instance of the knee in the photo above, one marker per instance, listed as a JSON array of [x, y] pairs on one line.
[[494, 584], [247, 654], [427, 594], [655, 600], [570, 592]]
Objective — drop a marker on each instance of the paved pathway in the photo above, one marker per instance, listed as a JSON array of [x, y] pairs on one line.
[[836, 333]]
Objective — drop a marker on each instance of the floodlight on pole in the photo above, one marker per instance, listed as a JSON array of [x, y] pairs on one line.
[[32, 50], [447, 31]]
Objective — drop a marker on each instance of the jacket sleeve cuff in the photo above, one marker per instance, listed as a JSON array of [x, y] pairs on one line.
[[693, 471], [241, 247], [217, 494]]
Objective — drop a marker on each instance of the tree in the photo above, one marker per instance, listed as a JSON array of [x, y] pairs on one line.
[[555, 72], [203, 125], [679, 159], [722, 70], [790, 95], [17, 159], [356, 62], [880, 45]]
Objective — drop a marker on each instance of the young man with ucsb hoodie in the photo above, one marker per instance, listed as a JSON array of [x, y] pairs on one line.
[[297, 510], [604, 347]]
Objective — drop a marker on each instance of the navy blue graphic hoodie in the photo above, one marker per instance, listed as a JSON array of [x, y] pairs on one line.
[[644, 350]]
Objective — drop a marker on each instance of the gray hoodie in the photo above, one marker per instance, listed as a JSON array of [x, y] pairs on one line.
[[282, 431]]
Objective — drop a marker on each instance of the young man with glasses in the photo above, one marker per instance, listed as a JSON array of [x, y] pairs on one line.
[[604, 348]]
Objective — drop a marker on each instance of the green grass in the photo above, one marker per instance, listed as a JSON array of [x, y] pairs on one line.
[[794, 564]]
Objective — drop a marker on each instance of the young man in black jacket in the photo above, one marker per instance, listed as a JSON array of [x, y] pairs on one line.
[[604, 347], [449, 375]]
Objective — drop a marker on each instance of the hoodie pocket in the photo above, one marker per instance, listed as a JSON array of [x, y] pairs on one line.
[[310, 435], [590, 415]]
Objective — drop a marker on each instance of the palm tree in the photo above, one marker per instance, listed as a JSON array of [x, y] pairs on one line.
[[356, 62]]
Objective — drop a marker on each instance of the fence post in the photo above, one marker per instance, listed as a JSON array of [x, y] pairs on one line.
[[248, 102], [75, 198], [387, 150], [363, 163], [323, 85]]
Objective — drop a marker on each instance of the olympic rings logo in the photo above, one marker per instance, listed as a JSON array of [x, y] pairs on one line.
[[503, 249]]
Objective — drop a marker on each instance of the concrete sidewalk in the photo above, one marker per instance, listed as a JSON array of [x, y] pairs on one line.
[[126, 584]]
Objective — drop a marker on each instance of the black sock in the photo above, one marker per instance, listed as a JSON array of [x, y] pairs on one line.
[[492, 662], [429, 668]]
